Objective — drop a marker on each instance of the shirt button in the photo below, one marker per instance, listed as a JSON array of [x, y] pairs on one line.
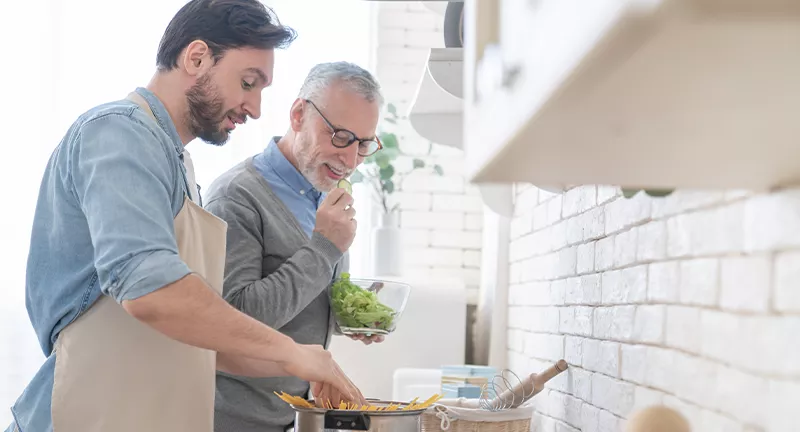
[[302, 192]]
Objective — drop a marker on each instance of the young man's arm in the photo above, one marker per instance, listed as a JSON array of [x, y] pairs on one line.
[[123, 180], [248, 367]]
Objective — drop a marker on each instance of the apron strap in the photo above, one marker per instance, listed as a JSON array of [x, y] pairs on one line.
[[139, 100], [142, 102]]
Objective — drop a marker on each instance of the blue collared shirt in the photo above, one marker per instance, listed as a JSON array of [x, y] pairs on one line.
[[290, 185], [103, 226]]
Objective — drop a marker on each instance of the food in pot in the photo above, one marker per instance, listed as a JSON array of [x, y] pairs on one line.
[[358, 308], [350, 406]]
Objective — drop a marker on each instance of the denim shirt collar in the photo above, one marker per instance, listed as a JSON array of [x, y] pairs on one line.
[[276, 160], [162, 117]]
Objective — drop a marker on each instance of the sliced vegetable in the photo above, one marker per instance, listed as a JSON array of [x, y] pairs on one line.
[[358, 308], [344, 184]]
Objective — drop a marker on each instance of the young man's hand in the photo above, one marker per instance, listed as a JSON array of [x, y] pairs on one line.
[[325, 394], [314, 364]]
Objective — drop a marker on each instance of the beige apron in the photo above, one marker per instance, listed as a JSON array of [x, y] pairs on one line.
[[114, 373]]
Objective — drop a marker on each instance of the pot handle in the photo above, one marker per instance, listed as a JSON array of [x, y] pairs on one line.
[[347, 421]]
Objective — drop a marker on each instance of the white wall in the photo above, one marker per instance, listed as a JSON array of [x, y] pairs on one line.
[[441, 216], [691, 301]]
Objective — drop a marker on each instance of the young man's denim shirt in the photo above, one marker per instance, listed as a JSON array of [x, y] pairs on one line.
[[103, 226]]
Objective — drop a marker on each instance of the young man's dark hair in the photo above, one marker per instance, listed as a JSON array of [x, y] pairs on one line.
[[222, 25]]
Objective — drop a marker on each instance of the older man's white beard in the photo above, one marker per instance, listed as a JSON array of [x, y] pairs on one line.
[[311, 171], [321, 184], [311, 167]]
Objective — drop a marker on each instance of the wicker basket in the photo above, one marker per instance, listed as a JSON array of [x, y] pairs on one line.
[[440, 418]]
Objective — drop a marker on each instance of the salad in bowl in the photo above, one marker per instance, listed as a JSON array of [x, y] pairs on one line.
[[366, 306]]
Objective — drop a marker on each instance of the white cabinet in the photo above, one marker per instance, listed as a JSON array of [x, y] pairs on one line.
[[636, 93]]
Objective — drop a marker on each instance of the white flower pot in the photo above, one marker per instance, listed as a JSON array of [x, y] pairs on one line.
[[386, 253]]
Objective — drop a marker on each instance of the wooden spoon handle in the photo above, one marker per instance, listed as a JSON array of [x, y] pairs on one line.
[[550, 373]]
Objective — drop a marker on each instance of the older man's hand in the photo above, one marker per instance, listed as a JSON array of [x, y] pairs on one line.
[[336, 219], [367, 339]]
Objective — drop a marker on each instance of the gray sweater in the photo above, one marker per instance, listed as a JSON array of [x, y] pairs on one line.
[[277, 275]]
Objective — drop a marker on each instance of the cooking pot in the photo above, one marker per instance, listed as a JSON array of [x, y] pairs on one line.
[[320, 419]]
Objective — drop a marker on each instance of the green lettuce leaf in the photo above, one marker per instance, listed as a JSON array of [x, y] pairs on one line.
[[357, 307]]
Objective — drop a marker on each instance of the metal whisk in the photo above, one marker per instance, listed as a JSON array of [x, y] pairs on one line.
[[498, 385], [499, 394]]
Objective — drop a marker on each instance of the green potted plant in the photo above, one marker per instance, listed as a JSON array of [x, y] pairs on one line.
[[384, 177], [380, 171]]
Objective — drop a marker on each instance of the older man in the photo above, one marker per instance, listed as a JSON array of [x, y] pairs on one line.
[[289, 229]]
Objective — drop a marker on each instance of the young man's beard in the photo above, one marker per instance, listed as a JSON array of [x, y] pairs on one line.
[[206, 112]]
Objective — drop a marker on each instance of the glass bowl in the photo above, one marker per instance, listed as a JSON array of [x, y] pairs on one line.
[[367, 306]]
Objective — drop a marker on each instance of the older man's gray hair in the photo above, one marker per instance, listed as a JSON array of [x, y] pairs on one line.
[[358, 79]]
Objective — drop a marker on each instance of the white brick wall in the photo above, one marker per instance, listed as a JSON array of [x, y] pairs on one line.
[[691, 301], [441, 216]]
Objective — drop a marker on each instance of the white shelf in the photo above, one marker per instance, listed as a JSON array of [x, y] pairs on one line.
[[437, 111], [637, 93]]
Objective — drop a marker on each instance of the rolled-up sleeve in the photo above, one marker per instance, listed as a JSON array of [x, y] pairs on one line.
[[124, 182]]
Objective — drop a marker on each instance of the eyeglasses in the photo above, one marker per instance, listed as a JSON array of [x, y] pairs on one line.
[[342, 138]]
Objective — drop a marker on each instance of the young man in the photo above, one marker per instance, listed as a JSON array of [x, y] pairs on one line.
[[125, 268], [289, 229]]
